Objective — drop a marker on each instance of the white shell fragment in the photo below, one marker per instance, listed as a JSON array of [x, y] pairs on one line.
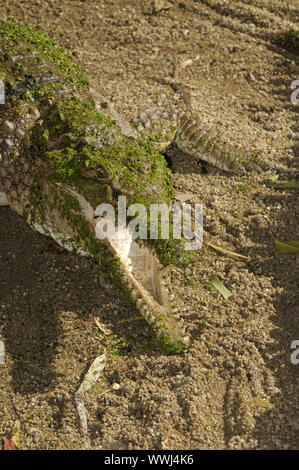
[[82, 413], [89, 380], [93, 374]]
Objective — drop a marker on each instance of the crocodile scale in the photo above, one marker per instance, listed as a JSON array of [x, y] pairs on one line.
[[64, 150]]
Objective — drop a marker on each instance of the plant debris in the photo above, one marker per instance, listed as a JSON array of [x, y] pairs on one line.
[[89, 380], [215, 281], [227, 252]]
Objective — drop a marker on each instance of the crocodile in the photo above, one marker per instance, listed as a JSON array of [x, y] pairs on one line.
[[64, 150]]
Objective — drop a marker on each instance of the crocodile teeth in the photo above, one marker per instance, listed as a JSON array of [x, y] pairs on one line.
[[140, 271], [92, 143]]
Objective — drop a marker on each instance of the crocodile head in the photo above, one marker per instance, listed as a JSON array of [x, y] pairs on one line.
[[65, 152]]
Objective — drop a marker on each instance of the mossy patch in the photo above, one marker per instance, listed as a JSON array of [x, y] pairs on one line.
[[118, 345], [84, 140], [289, 40], [13, 34], [169, 346], [173, 251], [73, 145]]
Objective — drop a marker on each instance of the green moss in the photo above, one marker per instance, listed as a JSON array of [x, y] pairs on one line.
[[190, 283], [244, 188], [87, 140], [63, 160], [118, 345], [35, 210], [135, 166], [74, 117], [169, 250], [160, 137], [289, 39], [85, 150], [173, 251], [13, 33], [170, 346]]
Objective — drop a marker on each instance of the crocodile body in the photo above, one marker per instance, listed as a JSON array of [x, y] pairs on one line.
[[65, 150]]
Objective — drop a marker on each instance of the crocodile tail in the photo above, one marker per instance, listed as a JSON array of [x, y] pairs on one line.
[[201, 143]]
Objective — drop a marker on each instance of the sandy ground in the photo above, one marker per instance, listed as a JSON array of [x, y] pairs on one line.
[[235, 387]]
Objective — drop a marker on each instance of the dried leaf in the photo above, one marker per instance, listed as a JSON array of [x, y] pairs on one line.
[[260, 402], [12, 441], [186, 63], [9, 443], [215, 281], [102, 327], [104, 392], [93, 373], [292, 184], [89, 380], [227, 252], [291, 246], [16, 434], [82, 413], [273, 178]]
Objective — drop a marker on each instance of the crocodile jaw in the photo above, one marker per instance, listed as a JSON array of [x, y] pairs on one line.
[[141, 273]]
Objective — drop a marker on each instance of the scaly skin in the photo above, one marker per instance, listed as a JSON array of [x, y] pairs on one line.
[[64, 150]]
